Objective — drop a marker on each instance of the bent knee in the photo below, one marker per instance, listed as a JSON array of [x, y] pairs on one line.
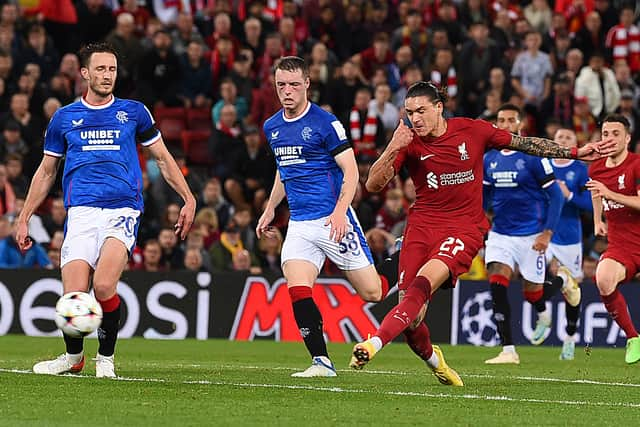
[[372, 296], [606, 285]]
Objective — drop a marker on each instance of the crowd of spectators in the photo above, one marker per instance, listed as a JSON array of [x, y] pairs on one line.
[[204, 68]]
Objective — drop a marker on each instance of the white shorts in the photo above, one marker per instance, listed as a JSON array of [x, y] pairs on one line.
[[568, 255], [87, 228], [309, 241], [516, 250]]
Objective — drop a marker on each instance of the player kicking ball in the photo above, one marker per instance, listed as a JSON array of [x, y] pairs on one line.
[[446, 225]]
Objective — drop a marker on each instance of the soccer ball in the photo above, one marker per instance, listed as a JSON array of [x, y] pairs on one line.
[[78, 314]]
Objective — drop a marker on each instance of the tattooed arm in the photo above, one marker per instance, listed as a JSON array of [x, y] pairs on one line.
[[544, 147]]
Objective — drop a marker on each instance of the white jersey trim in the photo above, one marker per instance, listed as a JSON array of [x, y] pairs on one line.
[[565, 165], [98, 107], [152, 140], [304, 113], [53, 153]]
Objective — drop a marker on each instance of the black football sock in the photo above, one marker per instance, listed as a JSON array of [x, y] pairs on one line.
[[74, 345], [309, 322], [572, 313], [389, 268], [551, 287], [502, 312], [108, 330]]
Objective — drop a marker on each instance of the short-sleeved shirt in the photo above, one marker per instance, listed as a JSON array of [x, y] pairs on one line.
[[305, 148], [532, 71], [447, 173], [575, 175], [623, 223], [519, 201], [101, 168]]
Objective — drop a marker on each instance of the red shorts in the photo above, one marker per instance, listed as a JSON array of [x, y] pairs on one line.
[[626, 256], [455, 247]]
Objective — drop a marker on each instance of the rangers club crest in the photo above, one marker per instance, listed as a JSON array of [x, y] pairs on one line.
[[122, 116]]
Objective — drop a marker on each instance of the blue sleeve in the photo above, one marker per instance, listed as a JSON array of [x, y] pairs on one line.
[[336, 136], [487, 187], [556, 200], [41, 257], [543, 171], [146, 133], [581, 197], [54, 142]]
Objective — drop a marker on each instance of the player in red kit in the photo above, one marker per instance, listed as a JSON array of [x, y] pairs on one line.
[[615, 191], [446, 225]]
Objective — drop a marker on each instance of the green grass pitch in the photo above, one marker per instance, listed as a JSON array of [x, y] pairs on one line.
[[220, 383]]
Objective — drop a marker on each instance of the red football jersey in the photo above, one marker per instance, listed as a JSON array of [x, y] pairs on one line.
[[623, 222], [447, 173]]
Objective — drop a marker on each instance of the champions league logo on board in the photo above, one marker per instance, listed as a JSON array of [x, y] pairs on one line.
[[476, 320]]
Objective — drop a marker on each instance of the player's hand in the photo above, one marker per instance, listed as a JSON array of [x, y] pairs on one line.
[[600, 229], [598, 189], [22, 236], [402, 136], [263, 226], [185, 219], [563, 187], [542, 241], [338, 222], [596, 150]]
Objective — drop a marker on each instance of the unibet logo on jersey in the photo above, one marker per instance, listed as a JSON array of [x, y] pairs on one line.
[[100, 139]]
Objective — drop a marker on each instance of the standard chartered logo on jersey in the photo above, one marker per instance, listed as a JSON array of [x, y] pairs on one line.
[[453, 178], [100, 139], [289, 155]]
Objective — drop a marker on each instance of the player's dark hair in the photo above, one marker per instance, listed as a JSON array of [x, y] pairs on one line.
[[618, 118], [292, 63], [84, 55], [511, 107], [429, 90]]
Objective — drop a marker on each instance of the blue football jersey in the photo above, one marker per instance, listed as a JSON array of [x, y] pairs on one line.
[[575, 175], [517, 182], [101, 166], [304, 148]]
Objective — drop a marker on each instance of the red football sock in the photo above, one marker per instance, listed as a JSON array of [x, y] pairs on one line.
[[399, 318], [384, 283], [617, 307], [419, 340]]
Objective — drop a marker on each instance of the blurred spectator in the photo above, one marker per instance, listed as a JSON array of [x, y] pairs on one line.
[[608, 14], [351, 32], [7, 195], [253, 37], [379, 55], [324, 60], [195, 90], [140, 15], [447, 19], [575, 12], [559, 105], [624, 39], [269, 251], [538, 13], [55, 219], [590, 38], [301, 27], [477, 58], [632, 115], [221, 58], [36, 227], [243, 219], [242, 260], [35, 92], [11, 256], [184, 33], [153, 26], [54, 257], [57, 239], [212, 197], [443, 74], [531, 72], [229, 95], [226, 143], [18, 181], [265, 102], [31, 126], [195, 241], [206, 222], [324, 27], [584, 123], [70, 69], [149, 223], [625, 81], [287, 29], [252, 174], [95, 20], [362, 206], [412, 74], [413, 34], [574, 61], [273, 50], [402, 60], [342, 91], [151, 256], [222, 252], [159, 74], [170, 216], [492, 102], [365, 127], [392, 212], [11, 141], [559, 50], [40, 51], [163, 193], [172, 253], [129, 48], [193, 260], [598, 84], [222, 26], [240, 74], [382, 107]]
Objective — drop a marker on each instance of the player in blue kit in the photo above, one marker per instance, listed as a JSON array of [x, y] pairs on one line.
[[526, 203], [565, 249], [317, 172], [102, 187]]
